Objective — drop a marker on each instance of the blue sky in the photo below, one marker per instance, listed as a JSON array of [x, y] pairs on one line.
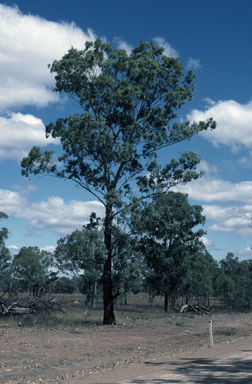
[[212, 38]]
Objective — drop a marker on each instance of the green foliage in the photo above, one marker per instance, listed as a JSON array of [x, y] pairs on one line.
[[198, 281], [168, 239], [152, 284], [81, 250], [128, 103], [127, 263], [64, 285], [31, 268], [5, 257], [236, 281], [82, 253]]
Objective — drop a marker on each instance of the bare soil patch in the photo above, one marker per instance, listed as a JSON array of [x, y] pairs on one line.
[[45, 355]]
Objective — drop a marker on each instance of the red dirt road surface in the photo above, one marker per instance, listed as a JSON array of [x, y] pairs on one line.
[[169, 349], [227, 364]]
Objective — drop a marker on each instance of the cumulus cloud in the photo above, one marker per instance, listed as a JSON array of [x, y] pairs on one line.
[[52, 215], [169, 50], [19, 133], [207, 242], [13, 249], [28, 44], [49, 248], [245, 253], [233, 123], [208, 189], [122, 44], [235, 218], [56, 216], [11, 202], [193, 64], [235, 215]]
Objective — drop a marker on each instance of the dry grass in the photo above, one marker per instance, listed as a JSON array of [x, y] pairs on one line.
[[75, 312]]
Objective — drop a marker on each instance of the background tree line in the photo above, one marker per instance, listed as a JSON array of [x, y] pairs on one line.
[[161, 254]]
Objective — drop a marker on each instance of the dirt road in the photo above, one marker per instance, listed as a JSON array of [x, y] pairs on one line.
[[113, 354], [211, 366]]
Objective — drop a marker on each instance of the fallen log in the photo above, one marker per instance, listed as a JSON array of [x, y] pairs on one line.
[[27, 305], [21, 311], [193, 308], [183, 308]]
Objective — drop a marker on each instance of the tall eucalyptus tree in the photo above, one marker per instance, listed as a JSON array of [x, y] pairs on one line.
[[128, 102]]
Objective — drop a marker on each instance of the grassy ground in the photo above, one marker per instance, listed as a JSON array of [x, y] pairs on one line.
[[76, 313]]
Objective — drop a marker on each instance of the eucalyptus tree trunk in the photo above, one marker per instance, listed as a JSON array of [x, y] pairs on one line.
[[108, 299], [166, 297], [95, 293]]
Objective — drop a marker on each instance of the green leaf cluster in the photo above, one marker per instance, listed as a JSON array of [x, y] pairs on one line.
[[31, 268]]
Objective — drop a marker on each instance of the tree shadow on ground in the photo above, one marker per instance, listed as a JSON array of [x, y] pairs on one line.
[[205, 371]]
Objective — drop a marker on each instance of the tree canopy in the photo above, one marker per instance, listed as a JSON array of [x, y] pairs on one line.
[[82, 253], [169, 238], [110, 149], [31, 267]]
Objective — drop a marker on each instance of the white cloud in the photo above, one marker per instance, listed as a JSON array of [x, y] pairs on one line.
[[160, 41], [13, 249], [49, 248], [234, 218], [245, 161], [56, 216], [207, 168], [208, 189], [122, 44], [52, 215], [11, 202], [169, 50], [18, 133], [25, 190], [28, 44], [193, 64], [245, 253], [233, 123], [207, 242], [209, 102]]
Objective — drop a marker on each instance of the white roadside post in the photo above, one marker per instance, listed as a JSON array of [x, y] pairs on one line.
[[211, 333]]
